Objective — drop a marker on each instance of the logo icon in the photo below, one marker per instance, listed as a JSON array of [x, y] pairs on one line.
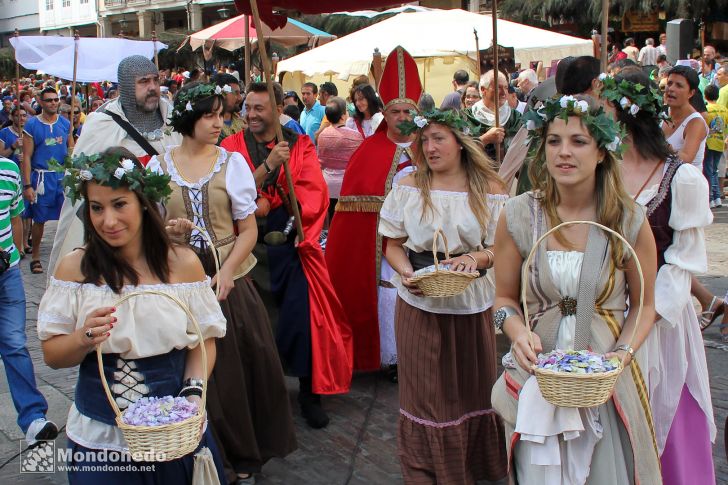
[[39, 459]]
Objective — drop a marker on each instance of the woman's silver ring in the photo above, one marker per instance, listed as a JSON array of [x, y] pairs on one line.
[[89, 334], [461, 264]]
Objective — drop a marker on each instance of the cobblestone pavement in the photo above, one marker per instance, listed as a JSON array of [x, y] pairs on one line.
[[360, 444]]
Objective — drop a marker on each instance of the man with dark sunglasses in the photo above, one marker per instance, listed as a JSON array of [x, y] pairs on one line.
[[45, 137]]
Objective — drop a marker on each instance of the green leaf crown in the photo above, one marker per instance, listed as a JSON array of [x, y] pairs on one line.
[[633, 97], [453, 118], [111, 170], [607, 132], [185, 100]]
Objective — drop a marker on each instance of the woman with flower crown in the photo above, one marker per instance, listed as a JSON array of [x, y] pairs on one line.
[[150, 348], [448, 431], [577, 292], [214, 190], [675, 196]]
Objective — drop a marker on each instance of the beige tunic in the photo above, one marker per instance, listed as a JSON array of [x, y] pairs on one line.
[[627, 414]]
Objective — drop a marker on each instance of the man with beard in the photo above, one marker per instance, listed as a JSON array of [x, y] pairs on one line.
[[312, 334], [232, 121], [136, 120], [354, 249]]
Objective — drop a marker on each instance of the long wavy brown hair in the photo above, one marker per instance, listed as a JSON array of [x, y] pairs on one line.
[[615, 208], [482, 176]]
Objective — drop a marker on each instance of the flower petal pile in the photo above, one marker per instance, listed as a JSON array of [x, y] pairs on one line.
[[157, 411], [577, 362]]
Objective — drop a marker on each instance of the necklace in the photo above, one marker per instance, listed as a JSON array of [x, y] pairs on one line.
[[209, 168], [649, 177]]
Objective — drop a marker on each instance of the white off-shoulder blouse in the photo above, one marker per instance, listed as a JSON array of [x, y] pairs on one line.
[[401, 216], [677, 333], [147, 325]]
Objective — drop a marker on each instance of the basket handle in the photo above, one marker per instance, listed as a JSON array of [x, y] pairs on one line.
[[438, 232], [208, 240], [527, 263], [184, 307]]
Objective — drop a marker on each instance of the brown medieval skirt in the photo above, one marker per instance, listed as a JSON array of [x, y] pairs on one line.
[[448, 432], [247, 400]]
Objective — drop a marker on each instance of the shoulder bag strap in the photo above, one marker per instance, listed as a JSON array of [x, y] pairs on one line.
[[132, 132]]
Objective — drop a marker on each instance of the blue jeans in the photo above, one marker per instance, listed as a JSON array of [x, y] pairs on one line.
[[710, 170], [29, 402]]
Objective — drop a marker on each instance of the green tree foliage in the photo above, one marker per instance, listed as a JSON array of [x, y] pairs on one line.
[[590, 11]]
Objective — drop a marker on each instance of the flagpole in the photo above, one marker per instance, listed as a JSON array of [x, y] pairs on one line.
[[17, 64], [156, 52], [247, 51], [276, 122], [496, 76], [76, 40], [605, 27], [477, 53]]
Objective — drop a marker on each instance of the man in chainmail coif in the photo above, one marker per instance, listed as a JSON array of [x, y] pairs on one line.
[[135, 120]]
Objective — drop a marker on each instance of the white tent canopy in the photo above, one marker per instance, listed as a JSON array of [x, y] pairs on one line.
[[98, 58], [434, 33]]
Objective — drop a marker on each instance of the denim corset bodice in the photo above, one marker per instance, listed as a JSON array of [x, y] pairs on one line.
[[160, 375]]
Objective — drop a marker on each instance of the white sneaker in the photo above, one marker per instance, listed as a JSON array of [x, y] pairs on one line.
[[41, 429], [718, 203], [712, 204]]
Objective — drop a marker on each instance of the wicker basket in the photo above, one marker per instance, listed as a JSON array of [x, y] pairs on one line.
[[442, 282], [577, 390], [168, 441]]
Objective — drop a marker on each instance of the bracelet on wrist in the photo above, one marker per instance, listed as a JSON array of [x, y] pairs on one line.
[[503, 314], [473, 258], [27, 186], [190, 391], [625, 348], [266, 166], [491, 257]]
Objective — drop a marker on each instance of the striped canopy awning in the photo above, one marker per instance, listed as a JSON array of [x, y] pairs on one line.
[[230, 34]]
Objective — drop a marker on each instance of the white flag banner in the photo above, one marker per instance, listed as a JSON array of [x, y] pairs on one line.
[[98, 58]]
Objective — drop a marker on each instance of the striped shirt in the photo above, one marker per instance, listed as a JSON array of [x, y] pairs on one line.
[[11, 205]]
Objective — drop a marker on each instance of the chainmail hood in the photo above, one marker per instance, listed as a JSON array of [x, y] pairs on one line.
[[148, 124]]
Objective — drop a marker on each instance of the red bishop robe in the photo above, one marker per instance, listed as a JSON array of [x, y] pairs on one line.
[[354, 248], [330, 331]]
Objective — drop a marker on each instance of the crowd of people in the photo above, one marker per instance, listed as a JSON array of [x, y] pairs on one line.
[[294, 227]]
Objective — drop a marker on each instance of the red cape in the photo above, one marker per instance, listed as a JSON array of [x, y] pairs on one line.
[[330, 331], [352, 250]]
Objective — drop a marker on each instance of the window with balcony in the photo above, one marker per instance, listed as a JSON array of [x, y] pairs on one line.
[[49, 4], [66, 3], [84, 1]]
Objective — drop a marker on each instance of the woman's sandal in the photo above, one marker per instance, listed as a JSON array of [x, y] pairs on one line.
[[36, 267], [709, 316]]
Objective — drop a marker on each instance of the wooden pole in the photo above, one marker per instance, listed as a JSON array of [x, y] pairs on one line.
[[477, 53], [76, 40], [496, 76], [156, 51], [17, 67], [605, 28], [247, 51], [267, 70]]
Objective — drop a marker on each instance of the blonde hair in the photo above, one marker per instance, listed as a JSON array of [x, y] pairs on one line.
[[480, 170], [612, 201]]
